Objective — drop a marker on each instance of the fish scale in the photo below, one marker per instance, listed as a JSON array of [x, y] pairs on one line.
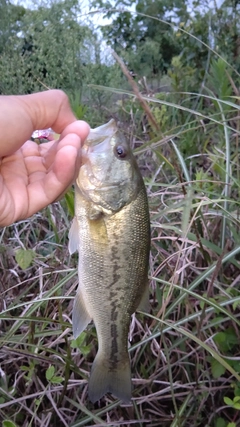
[[113, 246]]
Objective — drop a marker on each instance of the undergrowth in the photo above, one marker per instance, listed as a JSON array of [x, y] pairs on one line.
[[185, 352]]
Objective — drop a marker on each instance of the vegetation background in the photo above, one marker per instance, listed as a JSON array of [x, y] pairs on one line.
[[185, 355]]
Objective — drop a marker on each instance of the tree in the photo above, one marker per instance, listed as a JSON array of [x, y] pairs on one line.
[[144, 41], [10, 18], [44, 48], [149, 39]]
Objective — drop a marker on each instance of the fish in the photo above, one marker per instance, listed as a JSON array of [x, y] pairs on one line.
[[111, 232]]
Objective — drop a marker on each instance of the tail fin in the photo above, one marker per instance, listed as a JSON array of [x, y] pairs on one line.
[[103, 380]]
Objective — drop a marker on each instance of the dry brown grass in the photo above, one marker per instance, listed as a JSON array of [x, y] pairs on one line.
[[174, 351], [185, 353]]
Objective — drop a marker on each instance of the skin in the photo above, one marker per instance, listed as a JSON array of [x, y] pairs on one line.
[[32, 176]]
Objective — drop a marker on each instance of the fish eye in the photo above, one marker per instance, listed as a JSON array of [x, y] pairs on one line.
[[121, 152]]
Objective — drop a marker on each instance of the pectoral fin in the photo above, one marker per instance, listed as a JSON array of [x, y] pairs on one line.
[[73, 237], [81, 317]]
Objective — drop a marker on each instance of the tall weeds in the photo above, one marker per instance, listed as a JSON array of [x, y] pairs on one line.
[[185, 352]]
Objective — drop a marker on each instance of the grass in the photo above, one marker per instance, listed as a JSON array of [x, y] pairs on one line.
[[185, 353]]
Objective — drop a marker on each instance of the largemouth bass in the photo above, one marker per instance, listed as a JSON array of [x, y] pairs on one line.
[[111, 232]]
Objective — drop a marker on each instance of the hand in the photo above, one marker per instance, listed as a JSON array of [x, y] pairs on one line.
[[31, 175]]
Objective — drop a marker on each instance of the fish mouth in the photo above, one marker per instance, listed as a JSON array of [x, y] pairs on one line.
[[101, 133]]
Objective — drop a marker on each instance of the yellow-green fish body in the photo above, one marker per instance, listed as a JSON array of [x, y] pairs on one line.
[[111, 231]]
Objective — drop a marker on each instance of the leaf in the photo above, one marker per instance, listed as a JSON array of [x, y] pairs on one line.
[[220, 422], [56, 380], [79, 341], [8, 423], [235, 305], [235, 364], [85, 349], [228, 401], [226, 340], [24, 368], [236, 387], [231, 425], [236, 406], [50, 373], [24, 257], [217, 369]]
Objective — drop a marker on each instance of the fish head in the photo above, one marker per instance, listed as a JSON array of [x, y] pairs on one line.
[[109, 175]]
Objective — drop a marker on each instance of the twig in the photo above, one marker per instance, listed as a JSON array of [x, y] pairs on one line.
[[136, 91]]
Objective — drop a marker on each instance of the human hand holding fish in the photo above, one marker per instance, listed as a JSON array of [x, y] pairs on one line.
[[34, 175], [111, 229]]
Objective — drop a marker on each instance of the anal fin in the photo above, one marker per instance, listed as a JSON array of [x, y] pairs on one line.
[[81, 317]]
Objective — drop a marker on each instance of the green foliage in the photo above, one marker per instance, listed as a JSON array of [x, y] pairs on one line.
[[220, 422], [24, 257], [10, 18], [7, 423], [48, 48], [29, 372], [51, 377], [146, 44], [185, 354], [69, 199], [80, 343], [217, 368], [226, 340], [235, 402], [150, 38], [219, 80], [183, 77], [37, 57]]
